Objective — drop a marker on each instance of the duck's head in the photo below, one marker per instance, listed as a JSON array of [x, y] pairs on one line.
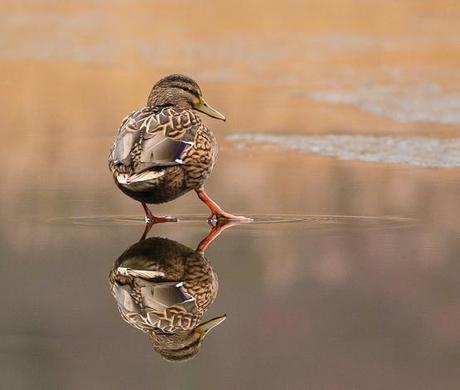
[[180, 91], [182, 346]]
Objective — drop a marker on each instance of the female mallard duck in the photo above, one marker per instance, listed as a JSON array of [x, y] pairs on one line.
[[164, 150], [164, 288]]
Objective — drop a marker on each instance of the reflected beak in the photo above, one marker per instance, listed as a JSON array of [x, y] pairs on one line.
[[205, 108], [205, 327]]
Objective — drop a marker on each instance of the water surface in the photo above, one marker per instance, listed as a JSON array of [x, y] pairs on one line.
[[341, 141]]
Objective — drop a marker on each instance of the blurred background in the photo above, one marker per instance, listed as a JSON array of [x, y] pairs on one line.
[[348, 108]]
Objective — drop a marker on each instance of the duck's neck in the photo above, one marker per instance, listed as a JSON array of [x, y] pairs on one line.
[[160, 107]]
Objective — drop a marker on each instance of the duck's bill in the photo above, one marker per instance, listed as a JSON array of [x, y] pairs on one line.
[[205, 108], [205, 327]]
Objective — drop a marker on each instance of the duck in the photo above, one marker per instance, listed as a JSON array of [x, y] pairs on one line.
[[164, 150], [163, 288]]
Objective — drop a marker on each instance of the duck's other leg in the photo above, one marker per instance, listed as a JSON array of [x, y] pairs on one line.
[[216, 211], [151, 219]]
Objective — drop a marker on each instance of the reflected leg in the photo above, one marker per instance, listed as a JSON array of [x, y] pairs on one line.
[[214, 233]]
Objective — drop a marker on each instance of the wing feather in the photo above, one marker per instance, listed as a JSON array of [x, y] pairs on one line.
[[148, 139]]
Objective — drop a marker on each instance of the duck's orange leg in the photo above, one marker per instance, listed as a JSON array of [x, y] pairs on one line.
[[216, 211], [151, 219]]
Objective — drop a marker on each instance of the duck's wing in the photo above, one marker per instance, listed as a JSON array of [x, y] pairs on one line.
[[166, 138], [147, 140], [129, 134]]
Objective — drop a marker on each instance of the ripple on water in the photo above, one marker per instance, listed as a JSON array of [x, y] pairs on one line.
[[306, 221], [418, 151]]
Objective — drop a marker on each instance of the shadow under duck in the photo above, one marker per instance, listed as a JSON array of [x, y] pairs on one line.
[[163, 288], [164, 150]]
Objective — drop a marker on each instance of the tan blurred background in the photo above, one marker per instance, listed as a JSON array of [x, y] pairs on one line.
[[309, 306]]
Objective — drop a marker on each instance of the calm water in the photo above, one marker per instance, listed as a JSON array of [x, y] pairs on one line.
[[341, 141]]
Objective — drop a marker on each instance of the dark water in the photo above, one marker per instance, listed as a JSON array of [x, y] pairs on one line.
[[341, 142], [311, 300]]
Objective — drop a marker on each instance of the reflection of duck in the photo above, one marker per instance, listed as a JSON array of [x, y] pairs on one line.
[[164, 150], [163, 288]]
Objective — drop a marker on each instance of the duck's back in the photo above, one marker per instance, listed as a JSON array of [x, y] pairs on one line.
[[156, 154]]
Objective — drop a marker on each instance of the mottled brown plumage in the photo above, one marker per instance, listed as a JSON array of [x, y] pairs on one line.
[[163, 288], [158, 156], [164, 150]]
